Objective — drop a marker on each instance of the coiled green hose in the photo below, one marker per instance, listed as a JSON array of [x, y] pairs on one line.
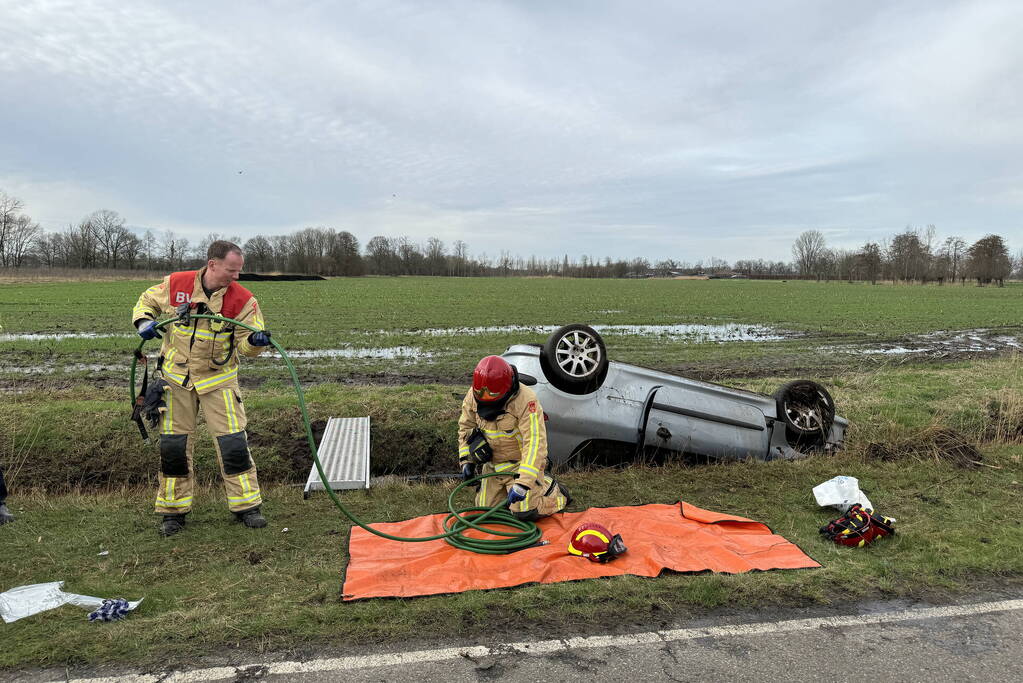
[[456, 524]]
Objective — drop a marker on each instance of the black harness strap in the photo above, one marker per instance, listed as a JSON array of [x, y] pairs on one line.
[[136, 408]]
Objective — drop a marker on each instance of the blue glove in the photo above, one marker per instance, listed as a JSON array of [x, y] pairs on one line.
[[516, 493], [261, 338], [468, 471], [148, 330]]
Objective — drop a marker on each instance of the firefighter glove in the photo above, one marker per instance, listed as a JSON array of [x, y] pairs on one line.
[[154, 401], [479, 450], [261, 338], [516, 493], [468, 471], [148, 330]]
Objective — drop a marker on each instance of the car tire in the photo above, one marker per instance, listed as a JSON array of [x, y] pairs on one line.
[[807, 410], [574, 358]]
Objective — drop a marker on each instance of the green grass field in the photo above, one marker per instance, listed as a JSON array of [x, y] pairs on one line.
[[82, 478], [374, 313]]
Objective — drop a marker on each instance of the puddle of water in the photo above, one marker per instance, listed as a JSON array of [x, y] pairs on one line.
[[729, 332], [393, 352], [895, 350], [73, 367], [940, 343], [57, 336], [401, 353]]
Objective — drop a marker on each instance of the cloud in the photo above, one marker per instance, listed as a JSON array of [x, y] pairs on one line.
[[599, 128]]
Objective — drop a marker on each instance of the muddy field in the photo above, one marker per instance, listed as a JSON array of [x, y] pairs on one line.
[[777, 352]]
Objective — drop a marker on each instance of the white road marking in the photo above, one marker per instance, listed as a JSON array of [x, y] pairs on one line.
[[547, 646]]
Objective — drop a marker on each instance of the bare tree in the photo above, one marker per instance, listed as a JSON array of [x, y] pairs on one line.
[[131, 250], [259, 253], [380, 255], [808, 251], [908, 256], [870, 260], [344, 254], [953, 249], [111, 235], [79, 245], [459, 258], [46, 249], [410, 256], [20, 238], [148, 249], [174, 250], [435, 257], [9, 208]]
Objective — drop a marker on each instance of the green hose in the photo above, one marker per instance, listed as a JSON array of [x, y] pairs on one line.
[[456, 523]]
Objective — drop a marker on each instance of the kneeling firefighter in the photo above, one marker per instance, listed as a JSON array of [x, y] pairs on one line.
[[502, 428]]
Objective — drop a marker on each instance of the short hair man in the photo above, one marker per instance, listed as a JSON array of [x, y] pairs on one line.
[[199, 365], [501, 429]]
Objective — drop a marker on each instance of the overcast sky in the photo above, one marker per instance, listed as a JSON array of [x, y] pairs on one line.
[[675, 129]]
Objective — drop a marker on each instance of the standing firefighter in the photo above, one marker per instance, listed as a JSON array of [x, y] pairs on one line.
[[199, 365], [501, 428]]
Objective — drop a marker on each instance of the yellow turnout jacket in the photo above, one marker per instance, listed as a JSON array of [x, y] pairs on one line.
[[204, 354], [518, 436]]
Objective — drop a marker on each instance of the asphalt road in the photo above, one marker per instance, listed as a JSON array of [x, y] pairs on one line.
[[971, 640]]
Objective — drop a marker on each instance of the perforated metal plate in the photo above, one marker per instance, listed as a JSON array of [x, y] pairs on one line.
[[344, 454]]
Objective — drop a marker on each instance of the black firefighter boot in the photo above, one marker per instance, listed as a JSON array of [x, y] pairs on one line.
[[252, 518], [172, 524], [5, 514]]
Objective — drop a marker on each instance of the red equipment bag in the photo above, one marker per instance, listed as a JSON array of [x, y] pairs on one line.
[[858, 527]]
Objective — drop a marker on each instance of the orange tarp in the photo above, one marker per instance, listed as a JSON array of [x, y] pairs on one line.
[[681, 538]]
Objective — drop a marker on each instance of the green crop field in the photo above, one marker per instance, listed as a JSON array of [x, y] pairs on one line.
[[930, 378], [429, 324]]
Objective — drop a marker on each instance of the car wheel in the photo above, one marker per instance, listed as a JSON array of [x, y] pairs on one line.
[[574, 359], [807, 410]]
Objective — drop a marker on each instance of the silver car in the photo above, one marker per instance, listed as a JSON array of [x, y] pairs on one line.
[[591, 403]]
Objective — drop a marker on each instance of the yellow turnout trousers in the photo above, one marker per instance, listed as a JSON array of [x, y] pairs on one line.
[[225, 419], [544, 497]]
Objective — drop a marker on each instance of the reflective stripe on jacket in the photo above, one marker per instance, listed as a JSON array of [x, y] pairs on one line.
[[519, 435], [204, 354]]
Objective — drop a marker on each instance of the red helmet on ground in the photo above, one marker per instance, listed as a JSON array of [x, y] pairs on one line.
[[596, 543], [492, 379]]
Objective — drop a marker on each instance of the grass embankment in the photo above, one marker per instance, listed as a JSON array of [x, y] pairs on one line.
[[78, 437], [217, 585]]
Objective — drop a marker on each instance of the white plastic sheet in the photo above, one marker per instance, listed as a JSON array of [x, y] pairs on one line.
[[24, 601], [841, 492]]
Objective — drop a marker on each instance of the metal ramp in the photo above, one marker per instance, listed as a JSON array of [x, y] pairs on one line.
[[344, 454]]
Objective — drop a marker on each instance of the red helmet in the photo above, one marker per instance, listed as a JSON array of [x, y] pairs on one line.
[[596, 543], [492, 379]]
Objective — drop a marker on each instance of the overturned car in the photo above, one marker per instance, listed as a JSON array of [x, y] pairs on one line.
[[591, 402]]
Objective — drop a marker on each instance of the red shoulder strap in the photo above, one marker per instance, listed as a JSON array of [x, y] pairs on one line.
[[235, 299], [181, 284]]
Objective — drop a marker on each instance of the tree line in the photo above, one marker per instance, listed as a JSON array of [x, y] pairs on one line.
[[103, 240], [913, 255]]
